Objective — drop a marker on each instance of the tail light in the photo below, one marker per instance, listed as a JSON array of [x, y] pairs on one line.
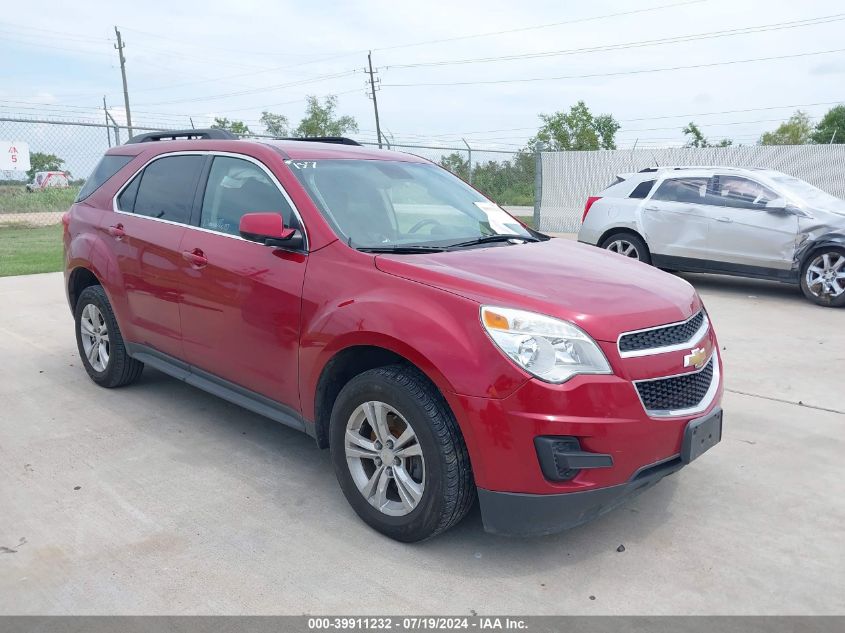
[[587, 206]]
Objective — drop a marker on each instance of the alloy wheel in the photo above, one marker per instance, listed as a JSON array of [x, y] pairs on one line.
[[623, 247], [385, 458], [825, 275], [95, 337]]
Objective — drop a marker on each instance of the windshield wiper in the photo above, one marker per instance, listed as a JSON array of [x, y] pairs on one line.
[[409, 248], [489, 239]]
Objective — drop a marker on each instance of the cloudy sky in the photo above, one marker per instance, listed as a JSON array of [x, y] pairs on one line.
[[652, 64]]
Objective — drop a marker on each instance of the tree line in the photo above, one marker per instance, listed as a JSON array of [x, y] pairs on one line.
[[512, 181]]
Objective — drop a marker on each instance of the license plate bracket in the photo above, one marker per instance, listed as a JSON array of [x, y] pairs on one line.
[[701, 435]]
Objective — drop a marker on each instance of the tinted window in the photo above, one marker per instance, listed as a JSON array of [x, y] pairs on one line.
[[236, 187], [691, 190], [105, 169], [167, 188], [744, 193], [126, 199], [642, 189]]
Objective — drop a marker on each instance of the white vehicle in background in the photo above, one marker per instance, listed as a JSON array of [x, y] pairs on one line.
[[748, 222], [48, 180]]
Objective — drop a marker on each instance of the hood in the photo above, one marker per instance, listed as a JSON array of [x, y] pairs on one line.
[[604, 293], [834, 214]]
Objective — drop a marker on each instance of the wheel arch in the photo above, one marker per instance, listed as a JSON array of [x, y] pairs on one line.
[[347, 362], [810, 248], [79, 279], [621, 229]]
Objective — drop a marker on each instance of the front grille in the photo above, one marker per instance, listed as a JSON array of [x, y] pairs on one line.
[[661, 336], [678, 392]]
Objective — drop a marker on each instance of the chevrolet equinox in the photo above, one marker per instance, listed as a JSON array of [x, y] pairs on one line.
[[439, 348]]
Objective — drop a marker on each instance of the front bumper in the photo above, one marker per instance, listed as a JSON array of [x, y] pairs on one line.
[[519, 514], [522, 514]]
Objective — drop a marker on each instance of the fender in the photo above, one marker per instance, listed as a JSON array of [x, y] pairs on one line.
[[807, 248]]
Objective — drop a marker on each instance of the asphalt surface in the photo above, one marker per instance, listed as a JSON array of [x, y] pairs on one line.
[[160, 499]]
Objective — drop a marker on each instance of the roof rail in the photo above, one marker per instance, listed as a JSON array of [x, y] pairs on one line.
[[172, 135], [338, 140]]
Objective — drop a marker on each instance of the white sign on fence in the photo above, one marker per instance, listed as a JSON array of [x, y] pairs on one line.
[[14, 156]]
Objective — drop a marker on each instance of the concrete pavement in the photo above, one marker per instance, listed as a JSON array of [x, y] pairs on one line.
[[160, 499]]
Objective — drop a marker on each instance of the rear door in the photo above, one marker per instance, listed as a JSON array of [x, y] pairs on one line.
[[676, 216], [153, 210], [745, 232], [242, 300]]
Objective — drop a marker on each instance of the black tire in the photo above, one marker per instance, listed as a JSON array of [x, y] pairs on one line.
[[120, 369], [449, 492], [642, 252], [822, 298]]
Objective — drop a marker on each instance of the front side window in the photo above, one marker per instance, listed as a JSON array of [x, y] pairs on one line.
[[235, 187], [164, 190], [743, 193], [377, 204]]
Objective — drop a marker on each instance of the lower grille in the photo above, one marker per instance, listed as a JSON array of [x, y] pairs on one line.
[[678, 392]]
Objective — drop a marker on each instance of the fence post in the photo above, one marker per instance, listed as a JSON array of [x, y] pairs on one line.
[[538, 183], [469, 160]]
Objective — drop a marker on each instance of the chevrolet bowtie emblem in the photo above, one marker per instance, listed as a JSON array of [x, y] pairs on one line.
[[696, 358]]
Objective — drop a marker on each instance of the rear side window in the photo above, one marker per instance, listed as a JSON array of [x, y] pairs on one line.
[[642, 189], [105, 169], [165, 189], [682, 190]]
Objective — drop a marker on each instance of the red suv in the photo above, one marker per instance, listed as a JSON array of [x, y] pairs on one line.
[[438, 347]]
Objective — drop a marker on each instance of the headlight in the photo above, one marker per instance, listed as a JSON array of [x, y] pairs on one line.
[[551, 349]]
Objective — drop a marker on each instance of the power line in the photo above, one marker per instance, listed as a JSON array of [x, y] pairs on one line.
[[749, 30], [541, 26], [612, 74], [255, 90], [55, 34]]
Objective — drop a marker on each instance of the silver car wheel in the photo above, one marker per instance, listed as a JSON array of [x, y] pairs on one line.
[[826, 275], [623, 247], [95, 337], [385, 458]]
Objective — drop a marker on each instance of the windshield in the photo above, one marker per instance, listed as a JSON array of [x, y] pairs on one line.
[[810, 195], [384, 204]]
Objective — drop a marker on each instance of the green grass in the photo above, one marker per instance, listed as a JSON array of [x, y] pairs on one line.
[[25, 250], [526, 219], [15, 199]]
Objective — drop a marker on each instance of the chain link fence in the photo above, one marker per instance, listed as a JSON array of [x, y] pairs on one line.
[[75, 147], [569, 178]]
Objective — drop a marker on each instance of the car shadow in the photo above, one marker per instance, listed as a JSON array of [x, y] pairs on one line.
[[744, 286], [285, 468]]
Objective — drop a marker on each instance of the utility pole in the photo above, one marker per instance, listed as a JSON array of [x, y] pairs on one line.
[[373, 95], [106, 114], [469, 161], [119, 47]]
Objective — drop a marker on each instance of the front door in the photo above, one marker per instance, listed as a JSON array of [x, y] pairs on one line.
[[745, 232], [241, 306]]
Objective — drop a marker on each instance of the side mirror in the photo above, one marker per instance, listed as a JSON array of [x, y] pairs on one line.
[[268, 229], [780, 205]]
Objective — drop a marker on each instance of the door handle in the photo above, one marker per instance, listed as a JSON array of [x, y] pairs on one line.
[[117, 231], [651, 208], [724, 219], [195, 258]]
